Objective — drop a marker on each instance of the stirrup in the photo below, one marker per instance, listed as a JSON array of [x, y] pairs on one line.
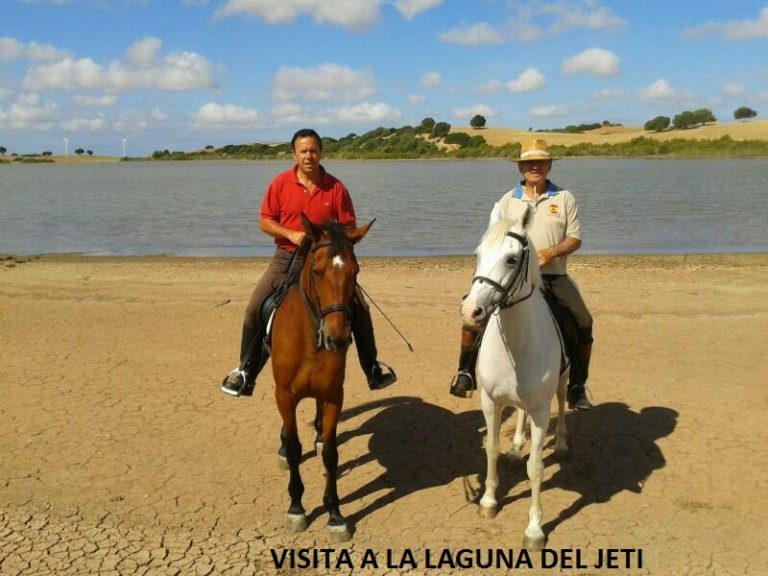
[[463, 387], [577, 398], [235, 383], [387, 378]]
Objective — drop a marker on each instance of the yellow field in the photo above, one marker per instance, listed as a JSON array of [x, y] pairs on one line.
[[748, 130]]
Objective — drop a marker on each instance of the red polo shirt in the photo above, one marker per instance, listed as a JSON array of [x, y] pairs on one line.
[[286, 198]]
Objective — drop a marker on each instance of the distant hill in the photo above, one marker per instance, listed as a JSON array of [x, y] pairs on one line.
[[738, 131]]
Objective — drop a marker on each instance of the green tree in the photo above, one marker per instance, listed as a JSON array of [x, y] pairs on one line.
[[684, 120], [704, 115], [738, 114], [47, 153], [477, 121], [3, 150], [426, 126], [440, 130], [89, 152], [79, 151], [658, 124]]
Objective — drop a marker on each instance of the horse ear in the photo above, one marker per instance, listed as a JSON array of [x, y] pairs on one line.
[[310, 228], [496, 214], [354, 235], [527, 216]]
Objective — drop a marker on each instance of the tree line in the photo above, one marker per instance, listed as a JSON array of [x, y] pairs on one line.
[[692, 118]]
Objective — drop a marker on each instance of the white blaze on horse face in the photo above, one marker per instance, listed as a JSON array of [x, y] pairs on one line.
[[338, 261], [483, 297]]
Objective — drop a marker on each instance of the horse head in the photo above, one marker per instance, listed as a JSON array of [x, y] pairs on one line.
[[329, 278], [503, 266]]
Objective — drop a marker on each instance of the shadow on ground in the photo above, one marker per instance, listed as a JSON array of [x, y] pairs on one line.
[[422, 445]]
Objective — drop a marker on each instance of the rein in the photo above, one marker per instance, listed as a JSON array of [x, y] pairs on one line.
[[317, 313], [516, 281]]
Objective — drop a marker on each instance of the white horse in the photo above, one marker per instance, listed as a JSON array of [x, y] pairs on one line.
[[520, 357]]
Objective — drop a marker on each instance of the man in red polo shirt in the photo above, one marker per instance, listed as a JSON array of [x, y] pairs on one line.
[[306, 188]]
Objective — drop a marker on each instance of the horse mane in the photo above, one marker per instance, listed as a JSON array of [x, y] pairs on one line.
[[336, 236]]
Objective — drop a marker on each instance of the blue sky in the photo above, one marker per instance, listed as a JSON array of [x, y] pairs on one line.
[[183, 74]]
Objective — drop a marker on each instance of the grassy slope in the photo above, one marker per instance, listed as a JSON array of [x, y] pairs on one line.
[[749, 130]]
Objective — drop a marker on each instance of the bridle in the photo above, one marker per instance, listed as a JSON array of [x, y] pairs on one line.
[[517, 279], [312, 300]]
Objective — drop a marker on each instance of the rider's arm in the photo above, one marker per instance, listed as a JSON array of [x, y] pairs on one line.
[[271, 227], [569, 245]]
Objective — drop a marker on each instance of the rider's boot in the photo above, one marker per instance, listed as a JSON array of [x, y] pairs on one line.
[[577, 391], [378, 374], [242, 380], [463, 383]]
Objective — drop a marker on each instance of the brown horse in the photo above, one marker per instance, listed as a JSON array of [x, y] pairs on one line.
[[310, 336]]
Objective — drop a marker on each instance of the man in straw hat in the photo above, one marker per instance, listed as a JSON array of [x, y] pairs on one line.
[[555, 233]]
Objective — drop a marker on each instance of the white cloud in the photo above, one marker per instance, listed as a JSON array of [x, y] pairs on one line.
[[346, 13], [661, 92], [594, 61], [83, 101], [326, 82], [28, 113], [733, 30], [287, 113], [732, 89], [410, 8], [489, 87], [477, 34], [416, 99], [570, 15], [158, 115], [549, 112], [468, 113], [216, 116], [432, 80], [367, 113], [530, 79], [12, 49], [143, 69], [609, 94], [541, 19], [84, 125]]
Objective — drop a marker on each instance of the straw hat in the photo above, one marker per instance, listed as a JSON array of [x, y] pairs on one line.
[[536, 149]]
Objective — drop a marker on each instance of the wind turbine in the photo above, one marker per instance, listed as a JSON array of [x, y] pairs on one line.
[[124, 141], [66, 150]]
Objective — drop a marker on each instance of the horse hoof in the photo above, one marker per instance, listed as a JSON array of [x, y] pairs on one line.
[[488, 512], [319, 449], [534, 542], [514, 456], [562, 453], [340, 533], [296, 522], [282, 462]]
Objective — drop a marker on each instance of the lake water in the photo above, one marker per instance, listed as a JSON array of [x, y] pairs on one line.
[[422, 207]]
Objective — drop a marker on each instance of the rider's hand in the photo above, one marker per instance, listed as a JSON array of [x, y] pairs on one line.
[[545, 256], [296, 237]]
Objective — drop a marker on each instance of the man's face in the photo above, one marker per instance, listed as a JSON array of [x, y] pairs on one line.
[[535, 170], [306, 153]]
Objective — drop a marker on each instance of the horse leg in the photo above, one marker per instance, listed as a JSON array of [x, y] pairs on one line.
[[516, 453], [561, 443], [318, 427], [295, 518], [492, 413], [534, 536], [337, 524]]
